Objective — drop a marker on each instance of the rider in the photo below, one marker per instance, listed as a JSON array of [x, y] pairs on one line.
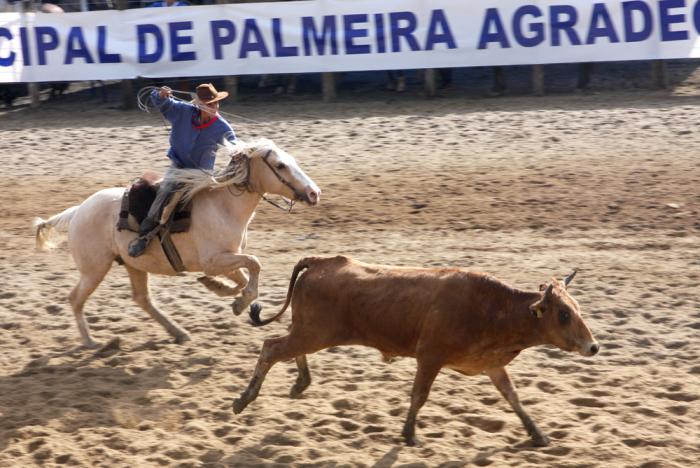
[[197, 130]]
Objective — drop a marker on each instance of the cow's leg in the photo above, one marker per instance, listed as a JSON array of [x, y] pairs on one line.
[[89, 280], [303, 377], [139, 291], [425, 375], [226, 263], [273, 351], [501, 380]]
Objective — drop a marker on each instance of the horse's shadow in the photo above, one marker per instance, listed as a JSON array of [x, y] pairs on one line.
[[76, 393]]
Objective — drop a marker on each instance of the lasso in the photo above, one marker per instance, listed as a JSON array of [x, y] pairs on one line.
[[145, 104]]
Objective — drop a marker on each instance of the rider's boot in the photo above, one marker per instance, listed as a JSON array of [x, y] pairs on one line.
[[163, 206], [148, 230]]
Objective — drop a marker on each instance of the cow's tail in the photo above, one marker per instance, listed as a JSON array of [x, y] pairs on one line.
[[46, 230], [254, 313]]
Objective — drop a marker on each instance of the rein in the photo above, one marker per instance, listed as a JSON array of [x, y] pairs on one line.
[[288, 204]]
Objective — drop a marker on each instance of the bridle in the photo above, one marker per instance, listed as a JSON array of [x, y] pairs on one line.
[[288, 204]]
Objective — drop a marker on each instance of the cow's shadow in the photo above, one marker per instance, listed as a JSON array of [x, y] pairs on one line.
[[85, 390], [478, 457], [389, 458]]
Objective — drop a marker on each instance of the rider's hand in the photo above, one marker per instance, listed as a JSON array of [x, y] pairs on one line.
[[165, 92]]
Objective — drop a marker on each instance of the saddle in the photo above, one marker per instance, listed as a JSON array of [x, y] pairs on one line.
[[137, 200]]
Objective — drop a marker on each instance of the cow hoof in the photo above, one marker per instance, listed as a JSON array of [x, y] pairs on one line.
[[239, 405], [182, 338], [411, 442], [298, 389], [540, 441]]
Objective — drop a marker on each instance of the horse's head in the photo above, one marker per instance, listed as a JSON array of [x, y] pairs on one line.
[[274, 171]]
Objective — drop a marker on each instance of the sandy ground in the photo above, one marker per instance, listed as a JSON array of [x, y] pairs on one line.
[[523, 188]]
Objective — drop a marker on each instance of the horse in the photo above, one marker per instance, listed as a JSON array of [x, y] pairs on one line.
[[223, 204]]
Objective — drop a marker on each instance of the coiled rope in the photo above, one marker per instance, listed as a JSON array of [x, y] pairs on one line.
[[145, 104]]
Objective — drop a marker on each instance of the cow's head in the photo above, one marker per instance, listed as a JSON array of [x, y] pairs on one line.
[[561, 319]]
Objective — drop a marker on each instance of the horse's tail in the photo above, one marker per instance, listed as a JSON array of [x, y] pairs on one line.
[[254, 313], [46, 230]]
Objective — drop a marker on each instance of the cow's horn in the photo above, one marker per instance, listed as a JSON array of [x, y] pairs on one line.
[[568, 279]]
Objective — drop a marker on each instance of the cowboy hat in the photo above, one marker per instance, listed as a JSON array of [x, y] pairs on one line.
[[207, 94]]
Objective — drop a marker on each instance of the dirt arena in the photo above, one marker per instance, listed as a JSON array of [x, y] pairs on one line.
[[523, 188]]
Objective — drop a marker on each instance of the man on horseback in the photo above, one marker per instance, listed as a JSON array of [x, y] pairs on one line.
[[197, 131]]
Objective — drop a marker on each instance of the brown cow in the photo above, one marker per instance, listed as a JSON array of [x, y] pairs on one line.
[[444, 317]]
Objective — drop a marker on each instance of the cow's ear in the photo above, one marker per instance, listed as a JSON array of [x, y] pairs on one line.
[[536, 309], [543, 286]]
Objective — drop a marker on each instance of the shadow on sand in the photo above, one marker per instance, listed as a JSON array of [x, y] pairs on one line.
[[78, 392]]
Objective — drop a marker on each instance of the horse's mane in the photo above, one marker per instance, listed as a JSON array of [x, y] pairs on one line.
[[235, 173]]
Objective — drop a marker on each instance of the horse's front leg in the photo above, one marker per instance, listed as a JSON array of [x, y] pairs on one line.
[[220, 288], [226, 263]]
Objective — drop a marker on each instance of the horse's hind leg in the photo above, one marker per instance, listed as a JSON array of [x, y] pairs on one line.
[[86, 285], [139, 290]]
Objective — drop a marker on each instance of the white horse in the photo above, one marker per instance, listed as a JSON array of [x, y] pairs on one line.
[[222, 207]]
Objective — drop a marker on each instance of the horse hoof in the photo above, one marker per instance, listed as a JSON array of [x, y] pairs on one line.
[[91, 345], [182, 338], [238, 305]]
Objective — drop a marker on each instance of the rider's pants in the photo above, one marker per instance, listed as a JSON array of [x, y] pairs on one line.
[[166, 200]]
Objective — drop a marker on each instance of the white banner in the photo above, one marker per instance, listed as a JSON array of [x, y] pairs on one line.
[[340, 35]]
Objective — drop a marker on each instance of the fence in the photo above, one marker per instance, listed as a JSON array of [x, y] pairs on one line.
[[392, 28]]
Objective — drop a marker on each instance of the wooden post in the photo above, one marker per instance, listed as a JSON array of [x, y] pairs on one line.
[[659, 74], [498, 84], [584, 75], [538, 80], [32, 88], [231, 84], [328, 87], [430, 82], [127, 86]]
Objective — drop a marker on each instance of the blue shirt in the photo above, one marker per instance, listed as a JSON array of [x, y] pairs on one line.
[[193, 145]]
